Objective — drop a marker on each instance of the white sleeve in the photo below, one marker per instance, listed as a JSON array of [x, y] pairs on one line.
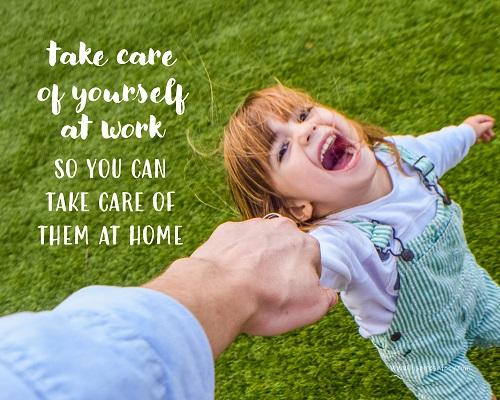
[[335, 255], [445, 148], [348, 258], [351, 265]]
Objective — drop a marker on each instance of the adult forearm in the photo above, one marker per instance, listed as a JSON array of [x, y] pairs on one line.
[[258, 277], [220, 300]]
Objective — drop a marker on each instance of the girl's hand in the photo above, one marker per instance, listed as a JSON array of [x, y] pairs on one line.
[[483, 126]]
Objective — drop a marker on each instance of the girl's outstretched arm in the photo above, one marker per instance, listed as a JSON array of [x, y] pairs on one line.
[[448, 146]]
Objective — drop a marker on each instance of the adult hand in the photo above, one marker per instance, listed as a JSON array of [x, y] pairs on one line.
[[279, 265], [259, 277]]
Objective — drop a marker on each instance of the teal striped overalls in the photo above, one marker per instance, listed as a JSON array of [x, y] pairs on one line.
[[446, 303]]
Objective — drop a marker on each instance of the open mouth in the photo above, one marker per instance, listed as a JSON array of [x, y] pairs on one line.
[[337, 152]]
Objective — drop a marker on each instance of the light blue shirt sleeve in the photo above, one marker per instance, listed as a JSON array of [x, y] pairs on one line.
[[106, 343]]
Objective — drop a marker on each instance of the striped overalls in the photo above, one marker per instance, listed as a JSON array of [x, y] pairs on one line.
[[446, 304]]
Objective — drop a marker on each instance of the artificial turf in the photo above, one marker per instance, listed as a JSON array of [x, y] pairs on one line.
[[410, 67]]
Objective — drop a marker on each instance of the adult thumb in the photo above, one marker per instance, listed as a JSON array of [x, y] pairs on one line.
[[328, 298], [331, 297]]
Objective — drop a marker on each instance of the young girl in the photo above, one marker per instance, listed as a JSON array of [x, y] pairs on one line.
[[391, 240]]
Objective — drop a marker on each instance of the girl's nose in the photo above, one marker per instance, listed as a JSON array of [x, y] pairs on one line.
[[306, 135]]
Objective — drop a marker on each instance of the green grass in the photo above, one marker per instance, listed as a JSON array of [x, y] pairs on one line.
[[410, 67]]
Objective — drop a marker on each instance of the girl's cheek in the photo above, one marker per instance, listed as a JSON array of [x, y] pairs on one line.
[[331, 119]]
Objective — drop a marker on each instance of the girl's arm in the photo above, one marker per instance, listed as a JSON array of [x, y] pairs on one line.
[[447, 147], [351, 265]]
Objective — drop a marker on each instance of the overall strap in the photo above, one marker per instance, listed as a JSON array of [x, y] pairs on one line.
[[424, 167], [380, 235]]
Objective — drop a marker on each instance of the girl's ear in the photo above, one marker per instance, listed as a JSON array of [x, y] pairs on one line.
[[301, 209]]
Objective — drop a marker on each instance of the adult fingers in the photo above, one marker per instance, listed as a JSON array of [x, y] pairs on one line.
[[322, 300], [316, 254], [329, 299], [319, 302]]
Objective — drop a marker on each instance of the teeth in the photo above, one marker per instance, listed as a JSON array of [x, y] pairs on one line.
[[325, 147]]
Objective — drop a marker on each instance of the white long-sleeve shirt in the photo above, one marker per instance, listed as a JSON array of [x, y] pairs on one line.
[[350, 262]]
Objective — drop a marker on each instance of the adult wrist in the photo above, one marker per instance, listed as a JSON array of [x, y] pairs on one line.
[[229, 289], [216, 295]]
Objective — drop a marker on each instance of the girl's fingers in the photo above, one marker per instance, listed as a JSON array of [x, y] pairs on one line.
[[488, 135], [484, 118], [488, 124]]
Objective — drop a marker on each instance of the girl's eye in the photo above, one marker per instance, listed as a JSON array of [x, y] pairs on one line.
[[304, 114], [282, 151]]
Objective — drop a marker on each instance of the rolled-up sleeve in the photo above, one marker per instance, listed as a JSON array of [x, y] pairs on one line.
[[106, 343]]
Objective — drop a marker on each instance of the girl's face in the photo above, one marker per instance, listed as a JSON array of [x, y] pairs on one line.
[[319, 163]]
